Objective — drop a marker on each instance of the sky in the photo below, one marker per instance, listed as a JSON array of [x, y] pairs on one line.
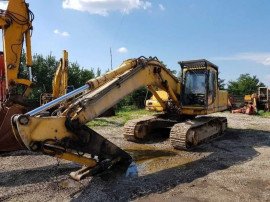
[[233, 34]]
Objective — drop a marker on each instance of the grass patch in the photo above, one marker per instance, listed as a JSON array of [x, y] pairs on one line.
[[97, 122], [127, 113], [123, 115], [263, 114]]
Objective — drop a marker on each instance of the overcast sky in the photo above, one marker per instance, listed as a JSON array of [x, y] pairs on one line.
[[233, 34]]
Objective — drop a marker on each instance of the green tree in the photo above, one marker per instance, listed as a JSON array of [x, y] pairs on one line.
[[245, 84], [98, 72], [77, 76], [43, 70], [137, 98], [174, 72], [221, 82]]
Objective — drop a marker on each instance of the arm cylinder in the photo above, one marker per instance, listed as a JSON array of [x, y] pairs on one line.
[[29, 61]]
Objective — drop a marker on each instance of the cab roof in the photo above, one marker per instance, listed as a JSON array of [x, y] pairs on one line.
[[197, 63]]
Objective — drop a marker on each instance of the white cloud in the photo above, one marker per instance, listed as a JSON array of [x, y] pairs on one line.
[[161, 7], [65, 34], [262, 58], [56, 31], [3, 5], [103, 7], [122, 50]]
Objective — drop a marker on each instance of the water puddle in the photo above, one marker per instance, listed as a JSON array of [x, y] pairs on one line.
[[69, 183], [149, 159]]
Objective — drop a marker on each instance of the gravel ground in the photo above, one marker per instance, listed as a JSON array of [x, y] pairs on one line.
[[234, 167]]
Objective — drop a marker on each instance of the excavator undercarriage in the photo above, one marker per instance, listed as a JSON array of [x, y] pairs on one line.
[[184, 133]]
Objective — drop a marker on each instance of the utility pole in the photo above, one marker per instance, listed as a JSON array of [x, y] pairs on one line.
[[111, 57]]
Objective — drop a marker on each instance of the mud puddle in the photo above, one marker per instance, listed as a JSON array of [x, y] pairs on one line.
[[146, 160], [149, 159], [69, 183]]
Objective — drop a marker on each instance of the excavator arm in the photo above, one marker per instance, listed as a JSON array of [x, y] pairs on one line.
[[16, 25], [65, 136], [60, 81]]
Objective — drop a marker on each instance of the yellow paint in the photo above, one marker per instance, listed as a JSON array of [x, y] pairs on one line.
[[99, 81], [157, 101], [60, 80], [77, 159], [219, 104], [15, 33], [40, 129]]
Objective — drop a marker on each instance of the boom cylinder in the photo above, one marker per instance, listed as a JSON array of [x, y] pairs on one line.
[[99, 81]]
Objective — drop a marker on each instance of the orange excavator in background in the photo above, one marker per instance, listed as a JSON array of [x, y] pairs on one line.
[[256, 102], [16, 25]]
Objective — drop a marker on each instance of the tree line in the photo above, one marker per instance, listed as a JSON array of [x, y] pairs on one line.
[[44, 69]]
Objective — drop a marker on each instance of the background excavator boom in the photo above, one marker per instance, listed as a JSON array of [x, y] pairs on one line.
[[16, 25]]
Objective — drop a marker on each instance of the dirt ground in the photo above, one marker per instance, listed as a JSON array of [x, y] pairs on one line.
[[235, 167]]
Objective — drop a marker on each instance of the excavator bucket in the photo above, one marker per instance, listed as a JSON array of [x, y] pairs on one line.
[[8, 142]]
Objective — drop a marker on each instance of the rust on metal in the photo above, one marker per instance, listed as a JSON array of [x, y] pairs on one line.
[[8, 142]]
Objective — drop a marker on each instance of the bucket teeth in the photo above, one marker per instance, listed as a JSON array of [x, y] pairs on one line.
[[89, 171]]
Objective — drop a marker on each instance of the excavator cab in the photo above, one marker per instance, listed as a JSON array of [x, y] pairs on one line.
[[199, 84]]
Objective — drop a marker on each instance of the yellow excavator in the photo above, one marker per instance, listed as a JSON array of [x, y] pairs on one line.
[[16, 25], [60, 81], [65, 136], [153, 105]]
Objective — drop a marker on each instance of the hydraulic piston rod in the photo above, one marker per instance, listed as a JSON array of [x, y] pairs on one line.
[[57, 101]]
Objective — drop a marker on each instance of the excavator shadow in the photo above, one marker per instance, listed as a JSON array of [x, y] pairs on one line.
[[38, 175], [18, 153], [237, 146]]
